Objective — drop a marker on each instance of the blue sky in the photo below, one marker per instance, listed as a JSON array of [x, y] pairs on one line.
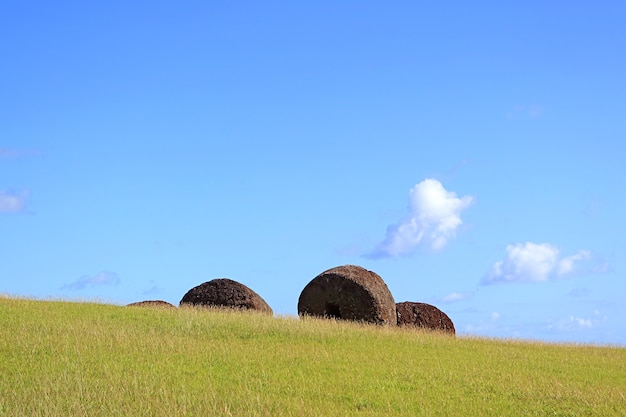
[[471, 155]]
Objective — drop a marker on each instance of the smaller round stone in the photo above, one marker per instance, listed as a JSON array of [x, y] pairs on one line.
[[423, 315], [224, 292]]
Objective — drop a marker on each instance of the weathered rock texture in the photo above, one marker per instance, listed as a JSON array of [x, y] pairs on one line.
[[152, 303], [225, 292], [423, 315], [349, 292]]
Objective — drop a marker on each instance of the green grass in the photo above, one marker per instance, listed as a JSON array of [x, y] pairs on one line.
[[86, 359]]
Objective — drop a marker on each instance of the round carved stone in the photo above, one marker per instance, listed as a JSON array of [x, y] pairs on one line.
[[348, 292], [225, 292], [423, 315], [152, 303]]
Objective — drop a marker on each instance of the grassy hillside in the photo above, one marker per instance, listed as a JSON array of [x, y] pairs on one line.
[[82, 359]]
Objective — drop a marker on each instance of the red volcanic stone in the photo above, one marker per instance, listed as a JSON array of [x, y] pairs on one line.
[[224, 292], [348, 292], [152, 303], [423, 315]]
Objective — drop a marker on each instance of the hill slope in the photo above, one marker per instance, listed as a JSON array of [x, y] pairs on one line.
[[82, 359]]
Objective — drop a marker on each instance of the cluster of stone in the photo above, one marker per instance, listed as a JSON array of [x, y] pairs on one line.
[[347, 292], [351, 292]]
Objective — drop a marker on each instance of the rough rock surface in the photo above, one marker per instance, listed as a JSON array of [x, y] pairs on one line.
[[224, 292], [349, 292], [152, 303], [423, 315]]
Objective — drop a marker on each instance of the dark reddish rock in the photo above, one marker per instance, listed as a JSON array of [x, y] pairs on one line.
[[224, 292], [348, 292], [152, 303], [423, 315]]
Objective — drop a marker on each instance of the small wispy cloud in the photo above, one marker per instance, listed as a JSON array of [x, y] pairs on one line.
[[579, 292], [433, 218], [601, 268], [17, 153], [155, 289], [566, 265], [13, 202], [490, 324], [575, 323], [595, 206], [101, 278], [531, 111], [580, 322], [456, 297], [9, 153], [534, 262]]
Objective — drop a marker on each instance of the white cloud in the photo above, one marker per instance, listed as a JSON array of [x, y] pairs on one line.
[[525, 262], [434, 216], [101, 278], [585, 323], [575, 323], [495, 316], [566, 265], [456, 296], [12, 202], [533, 262]]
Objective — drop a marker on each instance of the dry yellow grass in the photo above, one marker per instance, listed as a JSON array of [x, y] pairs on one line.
[[85, 359]]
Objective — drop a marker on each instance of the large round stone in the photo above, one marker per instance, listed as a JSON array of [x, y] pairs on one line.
[[348, 292]]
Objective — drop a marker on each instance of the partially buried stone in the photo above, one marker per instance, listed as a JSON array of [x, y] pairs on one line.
[[224, 292], [423, 315], [152, 303]]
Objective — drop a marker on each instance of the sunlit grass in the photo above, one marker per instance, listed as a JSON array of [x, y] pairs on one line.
[[86, 359]]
